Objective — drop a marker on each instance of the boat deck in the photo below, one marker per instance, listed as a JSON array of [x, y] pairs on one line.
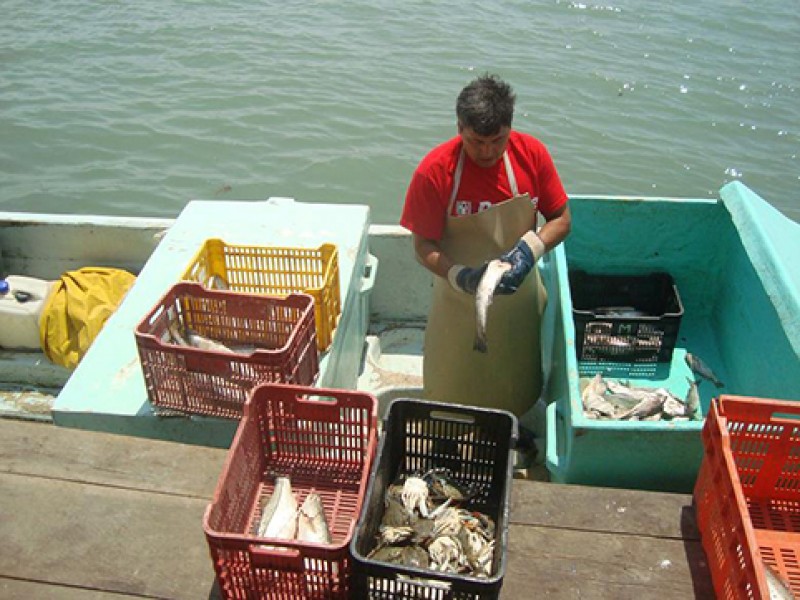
[[89, 515]]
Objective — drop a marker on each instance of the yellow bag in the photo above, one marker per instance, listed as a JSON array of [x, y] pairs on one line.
[[77, 309]]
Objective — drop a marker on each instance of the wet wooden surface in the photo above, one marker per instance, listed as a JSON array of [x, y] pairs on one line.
[[88, 515]]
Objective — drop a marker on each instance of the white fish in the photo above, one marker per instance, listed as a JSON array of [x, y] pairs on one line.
[[484, 296], [674, 408], [312, 526], [622, 401], [594, 403], [279, 518], [648, 407], [777, 586], [203, 343], [176, 334], [697, 365]]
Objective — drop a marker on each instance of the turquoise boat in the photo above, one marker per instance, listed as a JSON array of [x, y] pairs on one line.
[[733, 260]]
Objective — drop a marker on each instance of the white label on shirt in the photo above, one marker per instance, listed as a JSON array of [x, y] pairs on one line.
[[483, 205], [463, 207]]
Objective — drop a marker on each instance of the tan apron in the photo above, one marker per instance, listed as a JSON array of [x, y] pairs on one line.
[[509, 375]]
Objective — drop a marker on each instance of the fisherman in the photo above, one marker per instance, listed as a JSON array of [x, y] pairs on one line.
[[472, 199]]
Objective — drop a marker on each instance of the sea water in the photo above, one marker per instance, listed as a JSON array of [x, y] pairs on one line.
[[135, 108]]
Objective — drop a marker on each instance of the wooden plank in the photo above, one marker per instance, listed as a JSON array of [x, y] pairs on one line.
[[565, 563], [101, 514], [103, 538], [17, 588], [611, 510], [102, 458]]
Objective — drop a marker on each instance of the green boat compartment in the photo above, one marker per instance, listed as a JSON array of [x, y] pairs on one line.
[[733, 260]]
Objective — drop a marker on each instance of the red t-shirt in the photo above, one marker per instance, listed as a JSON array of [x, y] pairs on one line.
[[432, 184]]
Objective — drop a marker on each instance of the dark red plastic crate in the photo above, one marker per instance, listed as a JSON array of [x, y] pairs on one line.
[[322, 439], [217, 383]]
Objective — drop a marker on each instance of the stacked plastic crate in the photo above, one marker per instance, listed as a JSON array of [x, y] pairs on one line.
[[244, 315]]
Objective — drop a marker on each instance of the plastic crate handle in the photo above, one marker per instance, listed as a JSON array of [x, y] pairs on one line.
[[319, 407], [208, 363], [447, 415], [776, 412], [266, 557]]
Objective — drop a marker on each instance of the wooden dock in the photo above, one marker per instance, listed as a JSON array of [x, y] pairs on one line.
[[87, 515]]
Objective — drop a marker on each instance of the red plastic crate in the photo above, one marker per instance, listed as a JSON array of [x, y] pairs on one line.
[[747, 494], [217, 383], [324, 441]]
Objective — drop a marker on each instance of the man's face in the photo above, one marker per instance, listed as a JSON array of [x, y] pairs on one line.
[[484, 150]]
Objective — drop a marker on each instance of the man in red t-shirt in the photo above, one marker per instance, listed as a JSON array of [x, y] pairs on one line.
[[475, 198]]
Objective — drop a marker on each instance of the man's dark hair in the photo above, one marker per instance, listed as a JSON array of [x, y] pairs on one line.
[[486, 105]]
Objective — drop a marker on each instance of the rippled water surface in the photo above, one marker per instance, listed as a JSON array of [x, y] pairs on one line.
[[138, 107]]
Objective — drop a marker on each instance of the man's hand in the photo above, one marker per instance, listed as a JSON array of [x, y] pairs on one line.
[[521, 257], [466, 279]]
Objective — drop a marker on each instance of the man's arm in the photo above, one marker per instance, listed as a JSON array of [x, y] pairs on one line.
[[532, 246], [431, 256], [556, 228]]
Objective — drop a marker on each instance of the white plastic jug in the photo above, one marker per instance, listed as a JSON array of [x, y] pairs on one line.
[[20, 308]]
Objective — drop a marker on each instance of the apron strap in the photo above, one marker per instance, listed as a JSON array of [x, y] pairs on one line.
[[512, 180]]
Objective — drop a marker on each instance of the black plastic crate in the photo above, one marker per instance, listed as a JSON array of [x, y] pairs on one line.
[[475, 445], [625, 318]]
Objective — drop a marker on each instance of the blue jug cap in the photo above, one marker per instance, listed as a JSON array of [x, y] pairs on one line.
[[4, 286]]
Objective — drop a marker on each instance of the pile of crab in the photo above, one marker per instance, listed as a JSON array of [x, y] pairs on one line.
[[426, 525]]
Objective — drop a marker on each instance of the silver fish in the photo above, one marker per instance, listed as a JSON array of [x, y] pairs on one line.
[[621, 401], [484, 296], [175, 334], [674, 408], [311, 523], [203, 343], [692, 400], [637, 394], [778, 588], [697, 365], [279, 518], [648, 407], [594, 402]]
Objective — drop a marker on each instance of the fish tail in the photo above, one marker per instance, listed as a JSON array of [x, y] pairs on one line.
[[480, 345]]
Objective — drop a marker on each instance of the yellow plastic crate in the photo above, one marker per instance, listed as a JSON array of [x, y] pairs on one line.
[[275, 271]]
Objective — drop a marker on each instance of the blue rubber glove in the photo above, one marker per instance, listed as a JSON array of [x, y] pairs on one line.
[[466, 279], [521, 257]]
